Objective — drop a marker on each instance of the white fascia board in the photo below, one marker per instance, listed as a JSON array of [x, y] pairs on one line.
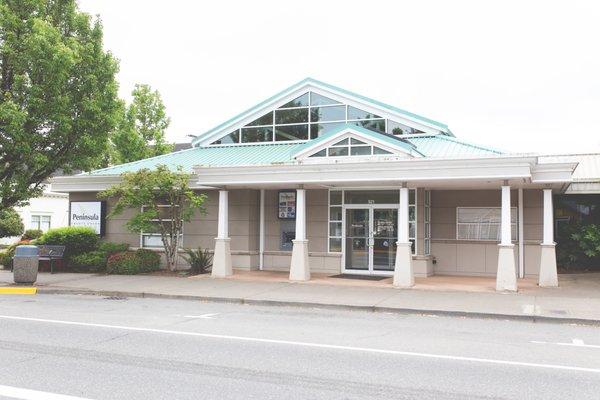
[[96, 183], [296, 91], [348, 133], [391, 171], [553, 172]]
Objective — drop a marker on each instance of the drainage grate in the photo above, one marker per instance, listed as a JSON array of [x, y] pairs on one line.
[[115, 298]]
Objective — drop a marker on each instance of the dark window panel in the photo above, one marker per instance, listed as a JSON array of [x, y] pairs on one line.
[[292, 116], [291, 132], [252, 135]]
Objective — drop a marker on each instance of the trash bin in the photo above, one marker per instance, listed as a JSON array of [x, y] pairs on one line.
[[25, 264]]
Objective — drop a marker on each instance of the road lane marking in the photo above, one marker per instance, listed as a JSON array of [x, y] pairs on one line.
[[203, 316], [309, 344], [28, 394], [574, 343]]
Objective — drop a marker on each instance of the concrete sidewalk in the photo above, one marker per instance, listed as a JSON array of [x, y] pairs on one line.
[[576, 301]]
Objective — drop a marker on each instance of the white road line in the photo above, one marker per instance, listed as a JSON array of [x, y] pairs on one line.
[[28, 394], [575, 343], [203, 316], [313, 345]]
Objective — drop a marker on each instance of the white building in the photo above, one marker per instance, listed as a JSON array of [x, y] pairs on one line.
[[50, 210]]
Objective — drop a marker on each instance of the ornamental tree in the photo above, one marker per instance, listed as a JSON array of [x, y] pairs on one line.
[[10, 223], [141, 129], [58, 94], [162, 200]]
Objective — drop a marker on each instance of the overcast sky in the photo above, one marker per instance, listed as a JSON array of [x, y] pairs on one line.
[[522, 75]]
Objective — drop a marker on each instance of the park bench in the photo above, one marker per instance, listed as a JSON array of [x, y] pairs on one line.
[[51, 253]]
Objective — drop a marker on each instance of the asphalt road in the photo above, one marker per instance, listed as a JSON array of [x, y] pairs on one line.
[[107, 348]]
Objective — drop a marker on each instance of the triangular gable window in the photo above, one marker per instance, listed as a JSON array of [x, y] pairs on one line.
[[266, 119], [306, 117], [350, 147], [320, 100], [300, 101]]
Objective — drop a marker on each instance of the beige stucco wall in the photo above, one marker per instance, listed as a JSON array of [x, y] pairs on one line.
[[316, 233], [459, 257], [243, 229]]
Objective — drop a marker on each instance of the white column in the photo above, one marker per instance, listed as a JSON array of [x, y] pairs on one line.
[[299, 267], [548, 274], [520, 223], [506, 276], [548, 218], [403, 269], [505, 226], [261, 231], [222, 255], [223, 220]]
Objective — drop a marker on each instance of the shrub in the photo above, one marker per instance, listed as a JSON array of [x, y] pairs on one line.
[[8, 254], [110, 248], [588, 239], [149, 260], [10, 223], [32, 234], [76, 239], [133, 262], [92, 261], [200, 260]]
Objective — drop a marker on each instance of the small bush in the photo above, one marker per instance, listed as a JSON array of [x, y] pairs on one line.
[[149, 260], [92, 261], [76, 239], [133, 262], [32, 234], [8, 254], [110, 248], [200, 260]]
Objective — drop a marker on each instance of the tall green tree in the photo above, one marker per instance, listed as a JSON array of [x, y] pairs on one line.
[[58, 94], [141, 130], [161, 201]]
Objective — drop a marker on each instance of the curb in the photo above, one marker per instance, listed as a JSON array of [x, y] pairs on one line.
[[329, 306], [17, 290]]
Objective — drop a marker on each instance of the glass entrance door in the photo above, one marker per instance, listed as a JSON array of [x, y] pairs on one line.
[[358, 229], [370, 239]]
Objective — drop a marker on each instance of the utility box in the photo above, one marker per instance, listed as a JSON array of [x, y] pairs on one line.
[[25, 264]]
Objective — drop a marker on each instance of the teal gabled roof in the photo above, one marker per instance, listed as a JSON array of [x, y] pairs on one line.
[[433, 146], [307, 81], [442, 146]]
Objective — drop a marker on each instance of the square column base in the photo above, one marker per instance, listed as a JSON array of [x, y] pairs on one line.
[[548, 273], [404, 276], [506, 277], [299, 267], [221, 267]]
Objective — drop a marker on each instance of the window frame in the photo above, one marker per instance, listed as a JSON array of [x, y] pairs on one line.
[[149, 234], [514, 225], [39, 224]]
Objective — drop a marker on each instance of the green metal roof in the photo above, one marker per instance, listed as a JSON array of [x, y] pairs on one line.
[[442, 146], [259, 154], [435, 146], [441, 126]]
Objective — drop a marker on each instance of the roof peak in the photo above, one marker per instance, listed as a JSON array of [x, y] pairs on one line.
[[318, 84]]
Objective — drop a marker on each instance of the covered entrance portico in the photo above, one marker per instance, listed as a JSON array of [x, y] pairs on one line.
[[375, 235]]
